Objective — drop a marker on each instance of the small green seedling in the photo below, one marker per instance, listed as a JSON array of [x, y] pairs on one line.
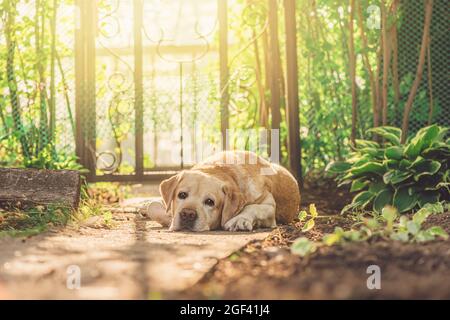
[[388, 225], [303, 215], [303, 247], [412, 229]]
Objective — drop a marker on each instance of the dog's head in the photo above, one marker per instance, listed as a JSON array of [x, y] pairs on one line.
[[199, 201]]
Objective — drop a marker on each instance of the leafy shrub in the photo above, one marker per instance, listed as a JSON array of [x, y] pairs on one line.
[[405, 176]]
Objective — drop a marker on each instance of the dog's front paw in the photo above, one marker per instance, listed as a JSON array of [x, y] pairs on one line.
[[239, 223]]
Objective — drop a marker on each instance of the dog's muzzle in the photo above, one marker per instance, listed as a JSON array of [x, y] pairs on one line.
[[188, 217]]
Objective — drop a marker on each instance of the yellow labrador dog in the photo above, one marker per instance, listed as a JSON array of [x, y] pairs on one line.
[[233, 190]]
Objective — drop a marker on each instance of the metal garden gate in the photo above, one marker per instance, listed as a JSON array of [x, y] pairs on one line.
[[145, 95]]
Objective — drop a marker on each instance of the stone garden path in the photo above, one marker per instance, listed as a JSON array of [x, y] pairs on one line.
[[133, 259]]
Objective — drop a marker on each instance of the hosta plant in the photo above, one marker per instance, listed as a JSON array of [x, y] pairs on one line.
[[406, 176]]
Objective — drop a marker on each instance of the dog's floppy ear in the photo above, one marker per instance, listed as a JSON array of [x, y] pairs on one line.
[[233, 203], [167, 189]]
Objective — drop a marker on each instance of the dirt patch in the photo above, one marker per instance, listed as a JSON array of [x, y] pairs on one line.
[[267, 270]]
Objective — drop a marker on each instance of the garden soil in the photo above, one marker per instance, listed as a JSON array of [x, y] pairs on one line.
[[137, 259], [265, 269]]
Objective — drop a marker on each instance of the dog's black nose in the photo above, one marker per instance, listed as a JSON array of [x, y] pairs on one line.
[[188, 216]]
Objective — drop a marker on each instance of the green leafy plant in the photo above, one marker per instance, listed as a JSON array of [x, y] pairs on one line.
[[303, 246], [303, 215], [405, 176], [387, 225]]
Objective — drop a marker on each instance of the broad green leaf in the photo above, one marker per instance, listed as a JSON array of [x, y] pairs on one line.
[[358, 184], [426, 168], [344, 182], [308, 225], [402, 222], [443, 185], [302, 247], [412, 227], [330, 239], [349, 207], [372, 224], [442, 133], [360, 161], [394, 130], [302, 215], [366, 144], [369, 167], [403, 201], [435, 208], [441, 150], [362, 199], [391, 164], [382, 199], [412, 149], [373, 152], [428, 197], [339, 231], [438, 231], [352, 235], [396, 176], [399, 177], [404, 164], [400, 236], [428, 135], [391, 134], [422, 140], [420, 216], [389, 213], [395, 153], [337, 167], [424, 236], [313, 210], [376, 187], [417, 162]]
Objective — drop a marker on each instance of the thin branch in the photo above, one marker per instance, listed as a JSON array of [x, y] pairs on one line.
[[416, 83], [386, 63], [352, 69], [368, 66]]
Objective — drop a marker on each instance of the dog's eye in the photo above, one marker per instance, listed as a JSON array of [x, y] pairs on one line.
[[209, 202], [182, 195]]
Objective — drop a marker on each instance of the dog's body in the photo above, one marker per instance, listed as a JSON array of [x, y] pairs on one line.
[[233, 190]]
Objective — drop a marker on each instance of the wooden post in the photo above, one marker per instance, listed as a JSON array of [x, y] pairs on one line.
[[275, 100], [91, 114], [80, 80], [224, 71], [138, 89], [293, 115]]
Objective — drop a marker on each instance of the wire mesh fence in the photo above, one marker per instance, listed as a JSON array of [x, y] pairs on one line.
[[82, 77], [432, 104]]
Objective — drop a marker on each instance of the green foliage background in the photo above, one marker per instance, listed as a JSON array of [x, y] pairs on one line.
[[28, 137]]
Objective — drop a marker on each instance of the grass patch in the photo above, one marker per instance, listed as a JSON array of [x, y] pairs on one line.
[[30, 222], [27, 223]]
